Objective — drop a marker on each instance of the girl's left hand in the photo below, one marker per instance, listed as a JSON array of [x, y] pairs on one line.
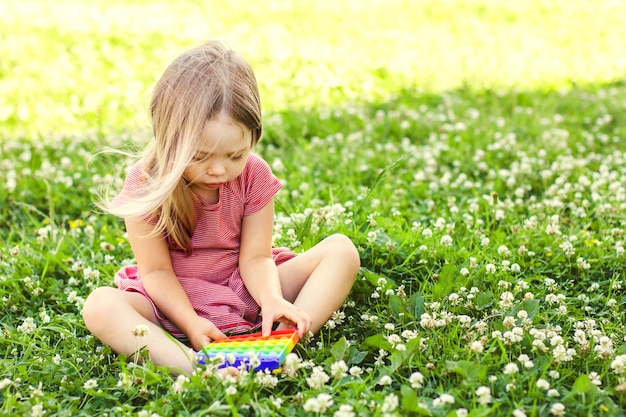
[[280, 310]]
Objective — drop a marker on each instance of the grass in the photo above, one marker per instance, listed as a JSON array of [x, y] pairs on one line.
[[488, 204]]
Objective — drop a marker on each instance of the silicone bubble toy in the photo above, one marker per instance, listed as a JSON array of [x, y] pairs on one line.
[[253, 351]]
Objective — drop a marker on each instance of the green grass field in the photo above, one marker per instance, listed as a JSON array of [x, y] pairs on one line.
[[475, 152]]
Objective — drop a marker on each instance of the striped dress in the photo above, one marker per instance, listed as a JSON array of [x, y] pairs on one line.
[[210, 275]]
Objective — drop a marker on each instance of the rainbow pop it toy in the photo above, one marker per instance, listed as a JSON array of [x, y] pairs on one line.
[[239, 350]]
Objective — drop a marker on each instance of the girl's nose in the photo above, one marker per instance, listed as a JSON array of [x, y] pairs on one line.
[[215, 168]]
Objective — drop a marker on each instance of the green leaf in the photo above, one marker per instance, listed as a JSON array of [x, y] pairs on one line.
[[409, 398], [446, 281], [483, 300], [338, 350], [530, 306], [398, 306], [356, 356], [416, 305], [376, 341], [400, 357], [469, 370], [583, 385]]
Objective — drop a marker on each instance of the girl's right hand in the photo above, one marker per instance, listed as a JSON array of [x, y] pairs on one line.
[[202, 332]]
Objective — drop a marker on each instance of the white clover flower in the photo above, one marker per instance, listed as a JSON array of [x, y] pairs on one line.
[[568, 248], [506, 299], [318, 378], [90, 384], [553, 393], [427, 321], [454, 299], [595, 379], [563, 354], [464, 319], [446, 240], [510, 368], [231, 390], [277, 402], [508, 322], [619, 364], [385, 380], [504, 251], [37, 410], [355, 371], [179, 384], [107, 247], [490, 268], [416, 380], [443, 399], [543, 384], [477, 346], [339, 369], [28, 326], [557, 409], [320, 404], [553, 229], [604, 347], [518, 412], [390, 403], [582, 264], [484, 392], [5, 383], [278, 165], [345, 410], [409, 334], [91, 274], [140, 330]]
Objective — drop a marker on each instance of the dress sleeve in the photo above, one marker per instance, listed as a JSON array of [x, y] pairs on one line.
[[133, 185], [261, 185]]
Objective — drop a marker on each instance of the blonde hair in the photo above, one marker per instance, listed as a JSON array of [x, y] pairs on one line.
[[198, 85]]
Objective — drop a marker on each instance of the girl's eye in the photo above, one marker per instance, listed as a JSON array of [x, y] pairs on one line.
[[236, 157]]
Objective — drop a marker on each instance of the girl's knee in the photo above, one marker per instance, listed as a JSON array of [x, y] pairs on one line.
[[343, 247], [99, 304]]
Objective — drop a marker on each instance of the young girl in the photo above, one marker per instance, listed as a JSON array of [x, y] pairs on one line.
[[199, 212]]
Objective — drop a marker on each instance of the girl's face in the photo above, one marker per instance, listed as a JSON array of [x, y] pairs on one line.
[[221, 157]]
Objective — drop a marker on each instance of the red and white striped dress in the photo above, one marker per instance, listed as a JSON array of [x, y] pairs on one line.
[[210, 275]]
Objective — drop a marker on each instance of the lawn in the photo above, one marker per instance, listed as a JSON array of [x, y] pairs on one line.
[[474, 151]]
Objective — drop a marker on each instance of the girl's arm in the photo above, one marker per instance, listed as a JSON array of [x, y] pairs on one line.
[[162, 285], [260, 275]]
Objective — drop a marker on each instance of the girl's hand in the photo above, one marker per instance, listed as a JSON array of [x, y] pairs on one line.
[[280, 310], [202, 332]]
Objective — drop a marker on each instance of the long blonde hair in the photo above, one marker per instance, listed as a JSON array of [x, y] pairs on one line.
[[195, 87]]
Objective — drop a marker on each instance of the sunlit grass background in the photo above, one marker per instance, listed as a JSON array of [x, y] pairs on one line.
[[473, 150], [76, 66]]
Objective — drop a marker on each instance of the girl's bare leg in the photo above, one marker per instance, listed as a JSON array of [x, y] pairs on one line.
[[319, 280], [112, 315]]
